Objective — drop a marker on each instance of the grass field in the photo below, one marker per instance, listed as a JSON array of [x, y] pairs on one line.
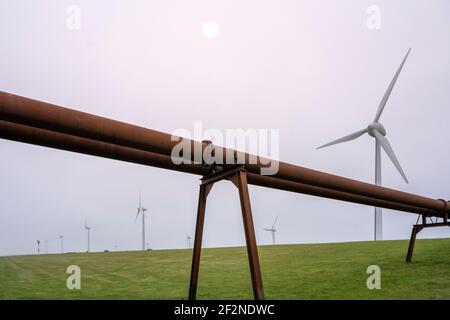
[[317, 271]]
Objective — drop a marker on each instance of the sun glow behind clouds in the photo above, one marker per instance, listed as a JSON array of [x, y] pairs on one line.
[[210, 30]]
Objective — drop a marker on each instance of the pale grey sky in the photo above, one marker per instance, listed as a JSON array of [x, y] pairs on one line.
[[311, 69]]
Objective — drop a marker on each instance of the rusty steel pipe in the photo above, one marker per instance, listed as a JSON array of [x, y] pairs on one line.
[[43, 115], [47, 138], [285, 185], [56, 140]]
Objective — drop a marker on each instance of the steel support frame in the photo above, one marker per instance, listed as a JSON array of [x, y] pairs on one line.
[[238, 176], [419, 227]]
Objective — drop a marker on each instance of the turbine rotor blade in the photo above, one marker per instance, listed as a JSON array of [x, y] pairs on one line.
[[389, 89], [273, 226], [347, 138], [140, 192], [384, 142], [137, 215]]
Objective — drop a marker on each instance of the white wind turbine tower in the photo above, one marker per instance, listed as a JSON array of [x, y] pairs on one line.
[[62, 243], [273, 230], [141, 210], [88, 229], [377, 131]]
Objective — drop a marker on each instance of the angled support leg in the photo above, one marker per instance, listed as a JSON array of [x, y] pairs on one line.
[[203, 195], [240, 180], [412, 242]]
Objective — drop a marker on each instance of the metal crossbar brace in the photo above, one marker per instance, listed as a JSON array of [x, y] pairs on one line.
[[238, 176], [419, 227]]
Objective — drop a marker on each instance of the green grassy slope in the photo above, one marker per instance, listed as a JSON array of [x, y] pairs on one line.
[[318, 271]]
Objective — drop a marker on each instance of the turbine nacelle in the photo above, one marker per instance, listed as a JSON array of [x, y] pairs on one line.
[[376, 126]]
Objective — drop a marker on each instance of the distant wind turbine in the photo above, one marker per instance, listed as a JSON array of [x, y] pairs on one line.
[[141, 210], [273, 230], [88, 229], [377, 131], [62, 243], [188, 238]]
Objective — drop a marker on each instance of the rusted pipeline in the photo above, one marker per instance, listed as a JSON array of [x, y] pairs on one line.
[[56, 140], [39, 114], [285, 185], [47, 138]]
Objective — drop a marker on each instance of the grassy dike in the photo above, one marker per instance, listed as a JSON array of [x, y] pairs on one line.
[[306, 271]]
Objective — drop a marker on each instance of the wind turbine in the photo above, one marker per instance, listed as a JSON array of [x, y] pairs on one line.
[[188, 238], [377, 131], [141, 210], [88, 229], [62, 243], [273, 230]]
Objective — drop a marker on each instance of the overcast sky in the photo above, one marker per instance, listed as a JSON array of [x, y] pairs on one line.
[[312, 69]]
